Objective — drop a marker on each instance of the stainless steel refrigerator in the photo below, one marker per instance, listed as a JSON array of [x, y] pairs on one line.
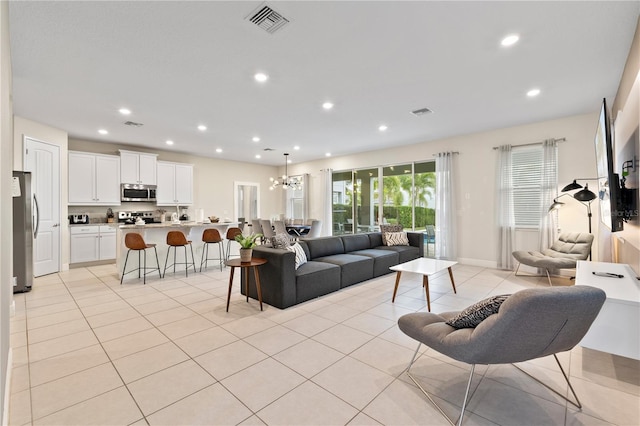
[[23, 231]]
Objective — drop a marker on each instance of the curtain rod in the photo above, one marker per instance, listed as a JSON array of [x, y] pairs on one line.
[[450, 152], [535, 143]]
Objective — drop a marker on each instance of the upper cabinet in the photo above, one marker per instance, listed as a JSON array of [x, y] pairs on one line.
[[138, 167], [175, 184], [94, 179]]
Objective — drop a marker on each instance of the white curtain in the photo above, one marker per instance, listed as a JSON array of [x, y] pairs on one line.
[[505, 219], [326, 186], [549, 189], [446, 238]]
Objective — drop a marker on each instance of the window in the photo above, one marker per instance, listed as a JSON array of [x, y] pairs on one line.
[[526, 174]]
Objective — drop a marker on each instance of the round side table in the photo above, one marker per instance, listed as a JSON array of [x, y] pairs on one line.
[[236, 263]]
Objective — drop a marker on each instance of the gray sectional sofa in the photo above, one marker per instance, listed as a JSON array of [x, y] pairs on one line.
[[332, 263]]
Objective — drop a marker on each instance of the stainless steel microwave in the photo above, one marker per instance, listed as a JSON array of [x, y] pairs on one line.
[[135, 192]]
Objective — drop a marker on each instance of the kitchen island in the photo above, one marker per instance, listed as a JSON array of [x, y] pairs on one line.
[[156, 233]]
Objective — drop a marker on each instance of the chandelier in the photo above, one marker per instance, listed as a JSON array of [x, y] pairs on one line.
[[286, 181]]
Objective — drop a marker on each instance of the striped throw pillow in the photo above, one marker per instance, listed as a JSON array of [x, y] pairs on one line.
[[301, 257], [396, 238]]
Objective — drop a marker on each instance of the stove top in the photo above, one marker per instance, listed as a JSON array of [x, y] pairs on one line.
[[129, 218]]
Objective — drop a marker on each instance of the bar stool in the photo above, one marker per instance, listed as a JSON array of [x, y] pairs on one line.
[[135, 242], [211, 236], [231, 236], [177, 239]]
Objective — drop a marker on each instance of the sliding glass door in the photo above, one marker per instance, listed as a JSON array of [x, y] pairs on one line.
[[405, 192]]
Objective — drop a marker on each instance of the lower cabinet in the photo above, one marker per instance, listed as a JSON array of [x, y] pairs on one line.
[[91, 243]]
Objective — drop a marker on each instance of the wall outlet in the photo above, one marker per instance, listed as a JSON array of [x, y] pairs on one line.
[[14, 280]]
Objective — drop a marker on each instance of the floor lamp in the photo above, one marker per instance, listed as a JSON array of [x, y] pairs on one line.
[[585, 196]]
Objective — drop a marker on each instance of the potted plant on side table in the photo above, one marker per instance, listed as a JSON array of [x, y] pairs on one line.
[[247, 243]]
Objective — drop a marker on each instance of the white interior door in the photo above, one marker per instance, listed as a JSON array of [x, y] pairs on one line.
[[43, 161]]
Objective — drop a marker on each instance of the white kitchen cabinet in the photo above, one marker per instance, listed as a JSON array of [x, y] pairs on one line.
[[175, 184], [94, 179], [138, 167], [91, 243]]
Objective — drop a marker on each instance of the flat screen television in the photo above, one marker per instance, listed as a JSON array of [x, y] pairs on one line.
[[608, 181]]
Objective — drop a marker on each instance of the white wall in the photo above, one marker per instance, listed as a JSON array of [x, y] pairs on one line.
[[626, 115], [476, 166], [6, 212]]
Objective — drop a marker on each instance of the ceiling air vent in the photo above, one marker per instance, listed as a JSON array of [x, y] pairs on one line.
[[132, 124], [268, 19], [421, 111]]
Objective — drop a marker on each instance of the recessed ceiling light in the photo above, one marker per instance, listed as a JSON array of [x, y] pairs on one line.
[[218, 150], [255, 139], [288, 161], [327, 105], [202, 127], [296, 147], [169, 142], [510, 40], [124, 111], [328, 154], [382, 128], [103, 132], [258, 156], [533, 92], [261, 77]]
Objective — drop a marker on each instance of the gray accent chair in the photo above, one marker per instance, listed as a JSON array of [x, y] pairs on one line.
[[563, 254], [531, 323]]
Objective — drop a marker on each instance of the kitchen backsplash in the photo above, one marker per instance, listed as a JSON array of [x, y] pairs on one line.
[[98, 214]]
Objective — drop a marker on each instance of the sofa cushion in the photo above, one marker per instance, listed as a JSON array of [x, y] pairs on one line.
[[319, 247], [314, 279], [355, 242], [375, 239], [353, 268], [406, 253], [383, 260]]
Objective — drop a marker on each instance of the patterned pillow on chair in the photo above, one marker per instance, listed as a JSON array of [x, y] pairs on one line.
[[478, 312], [389, 228]]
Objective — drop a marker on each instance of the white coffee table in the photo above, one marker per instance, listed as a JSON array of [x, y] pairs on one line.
[[425, 267]]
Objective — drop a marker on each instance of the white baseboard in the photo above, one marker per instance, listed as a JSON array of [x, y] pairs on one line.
[[7, 389], [478, 262]]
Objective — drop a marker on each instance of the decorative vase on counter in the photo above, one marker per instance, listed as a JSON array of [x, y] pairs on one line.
[[245, 254]]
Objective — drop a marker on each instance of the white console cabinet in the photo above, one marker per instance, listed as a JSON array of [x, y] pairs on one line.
[[175, 184], [94, 179], [616, 330], [90, 243], [138, 167]]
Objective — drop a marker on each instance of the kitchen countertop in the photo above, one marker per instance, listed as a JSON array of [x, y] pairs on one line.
[[169, 224], [95, 224]]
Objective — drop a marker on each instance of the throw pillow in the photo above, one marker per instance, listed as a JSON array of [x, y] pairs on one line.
[[478, 312], [301, 257], [396, 238], [389, 228], [280, 241]]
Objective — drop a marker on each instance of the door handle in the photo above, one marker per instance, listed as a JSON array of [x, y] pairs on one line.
[[55, 225]]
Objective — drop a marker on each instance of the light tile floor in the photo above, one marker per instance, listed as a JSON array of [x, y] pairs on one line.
[[87, 350]]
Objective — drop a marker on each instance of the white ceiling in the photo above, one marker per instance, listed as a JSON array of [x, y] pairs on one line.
[[177, 64]]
